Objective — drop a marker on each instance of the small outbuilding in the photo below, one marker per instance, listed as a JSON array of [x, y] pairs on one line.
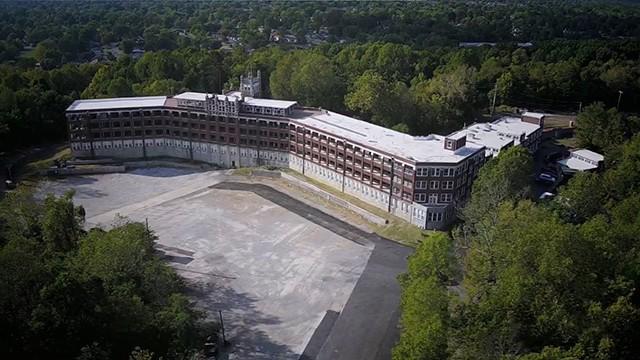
[[581, 160]]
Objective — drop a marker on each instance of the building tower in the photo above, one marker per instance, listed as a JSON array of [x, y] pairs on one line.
[[251, 85]]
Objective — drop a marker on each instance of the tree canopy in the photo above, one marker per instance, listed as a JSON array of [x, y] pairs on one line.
[[525, 280], [398, 65], [67, 293]]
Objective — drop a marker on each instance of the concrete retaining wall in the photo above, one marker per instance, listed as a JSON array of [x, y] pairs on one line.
[[90, 162], [228, 156], [88, 170], [336, 200], [165, 163]]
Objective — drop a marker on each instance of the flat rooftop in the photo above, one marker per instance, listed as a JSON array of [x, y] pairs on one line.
[[485, 134], [577, 164], [118, 103], [428, 148], [514, 126], [280, 104], [535, 115], [588, 154], [232, 95]]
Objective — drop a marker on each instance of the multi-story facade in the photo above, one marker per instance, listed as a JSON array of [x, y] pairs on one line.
[[420, 179]]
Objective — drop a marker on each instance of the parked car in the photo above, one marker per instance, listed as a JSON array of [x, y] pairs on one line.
[[546, 178], [546, 195], [9, 185]]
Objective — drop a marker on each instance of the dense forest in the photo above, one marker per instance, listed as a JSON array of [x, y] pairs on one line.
[[398, 65], [518, 279], [67, 293]]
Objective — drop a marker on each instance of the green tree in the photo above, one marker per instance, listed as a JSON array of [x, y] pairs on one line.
[[119, 87], [127, 45], [308, 77], [61, 223], [385, 103], [65, 293], [599, 128], [47, 53], [506, 177], [447, 100], [582, 198], [425, 301]]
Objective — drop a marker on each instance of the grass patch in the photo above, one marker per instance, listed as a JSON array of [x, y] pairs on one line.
[[33, 168], [571, 142], [243, 171], [559, 121], [27, 54], [397, 229], [403, 232], [248, 171]]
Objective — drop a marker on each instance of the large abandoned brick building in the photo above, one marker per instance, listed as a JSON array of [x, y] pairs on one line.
[[421, 179]]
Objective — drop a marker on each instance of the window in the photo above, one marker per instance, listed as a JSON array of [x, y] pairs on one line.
[[445, 198], [422, 171], [447, 185], [420, 197], [434, 216], [421, 184], [433, 198], [434, 185]]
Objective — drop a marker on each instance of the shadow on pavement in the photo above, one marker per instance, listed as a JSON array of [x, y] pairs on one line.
[[163, 172], [240, 320]]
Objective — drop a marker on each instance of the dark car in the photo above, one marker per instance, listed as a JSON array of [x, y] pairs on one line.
[[546, 178], [10, 185]]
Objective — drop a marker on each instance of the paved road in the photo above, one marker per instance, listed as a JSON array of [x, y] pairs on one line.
[[367, 326]]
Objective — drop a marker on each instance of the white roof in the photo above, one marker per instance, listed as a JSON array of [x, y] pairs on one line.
[[416, 148], [582, 160], [515, 127], [533, 114], [588, 154], [485, 134], [577, 164], [190, 95], [457, 135], [232, 95], [280, 104], [117, 103]]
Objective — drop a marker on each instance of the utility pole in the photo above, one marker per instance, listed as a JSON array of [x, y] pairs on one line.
[[493, 102], [580, 107], [619, 98], [224, 340]]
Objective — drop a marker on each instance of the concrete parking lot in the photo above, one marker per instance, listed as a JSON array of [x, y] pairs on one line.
[[275, 267]]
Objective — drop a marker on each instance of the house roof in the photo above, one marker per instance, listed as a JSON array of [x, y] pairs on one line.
[[591, 155]]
